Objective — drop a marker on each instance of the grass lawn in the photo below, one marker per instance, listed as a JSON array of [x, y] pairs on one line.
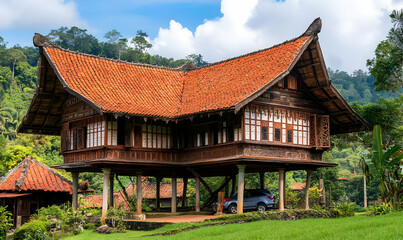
[[389, 226]]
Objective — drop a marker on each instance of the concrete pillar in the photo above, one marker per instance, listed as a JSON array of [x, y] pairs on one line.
[[261, 178], [173, 201], [308, 185], [107, 172], [139, 196], [281, 184], [241, 188], [111, 190], [185, 186], [75, 190], [157, 195], [197, 194]]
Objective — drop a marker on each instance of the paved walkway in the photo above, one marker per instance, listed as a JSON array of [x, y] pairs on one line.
[[179, 219]]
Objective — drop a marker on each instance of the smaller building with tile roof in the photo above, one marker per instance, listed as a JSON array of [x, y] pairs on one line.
[[31, 185]]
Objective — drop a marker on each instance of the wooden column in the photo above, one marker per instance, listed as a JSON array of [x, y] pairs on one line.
[[285, 189], [241, 188], [173, 200], [308, 185], [111, 190], [197, 178], [281, 180], [157, 195], [107, 172], [139, 195], [185, 186], [323, 197], [261, 178], [75, 191]]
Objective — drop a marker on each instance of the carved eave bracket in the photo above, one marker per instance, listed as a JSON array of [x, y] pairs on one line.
[[41, 41], [314, 28]]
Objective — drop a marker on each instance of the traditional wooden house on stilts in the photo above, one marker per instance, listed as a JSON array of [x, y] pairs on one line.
[[269, 110]]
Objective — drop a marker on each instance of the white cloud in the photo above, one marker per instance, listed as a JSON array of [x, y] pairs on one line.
[[351, 29], [28, 14]]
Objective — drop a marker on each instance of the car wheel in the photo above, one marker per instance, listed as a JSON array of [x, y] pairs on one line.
[[232, 209], [261, 207]]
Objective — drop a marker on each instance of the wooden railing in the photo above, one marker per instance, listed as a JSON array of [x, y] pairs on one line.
[[234, 149]]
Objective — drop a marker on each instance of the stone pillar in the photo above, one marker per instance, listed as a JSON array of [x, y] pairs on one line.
[[185, 186], [197, 194], [157, 195], [308, 185], [281, 184], [173, 200], [241, 188], [75, 190], [111, 190], [139, 196], [107, 172], [261, 178]]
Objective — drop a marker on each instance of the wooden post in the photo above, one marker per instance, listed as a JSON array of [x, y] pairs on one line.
[[241, 188], [158, 198], [261, 178], [111, 179], [107, 172], [220, 204], [185, 186], [139, 206], [308, 185], [75, 190], [281, 189], [173, 200], [233, 189], [197, 194], [323, 197], [285, 189]]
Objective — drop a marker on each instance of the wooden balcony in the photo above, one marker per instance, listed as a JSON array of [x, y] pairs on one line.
[[221, 152]]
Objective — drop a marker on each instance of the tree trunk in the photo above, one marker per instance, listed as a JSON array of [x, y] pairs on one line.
[[365, 192]]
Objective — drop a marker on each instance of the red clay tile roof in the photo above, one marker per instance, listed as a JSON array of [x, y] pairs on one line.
[[298, 186], [135, 89], [148, 192], [31, 175]]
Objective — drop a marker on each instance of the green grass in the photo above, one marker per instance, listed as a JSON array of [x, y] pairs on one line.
[[389, 226]]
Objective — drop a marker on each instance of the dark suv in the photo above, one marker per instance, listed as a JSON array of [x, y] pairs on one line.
[[256, 199]]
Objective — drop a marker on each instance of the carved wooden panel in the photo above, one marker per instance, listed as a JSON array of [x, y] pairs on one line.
[[280, 152], [323, 129]]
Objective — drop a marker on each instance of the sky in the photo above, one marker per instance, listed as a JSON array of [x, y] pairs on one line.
[[351, 29]]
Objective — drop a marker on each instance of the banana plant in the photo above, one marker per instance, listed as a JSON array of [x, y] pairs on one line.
[[386, 166]]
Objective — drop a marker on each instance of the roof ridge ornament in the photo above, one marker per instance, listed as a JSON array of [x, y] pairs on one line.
[[187, 67], [41, 41], [314, 28]]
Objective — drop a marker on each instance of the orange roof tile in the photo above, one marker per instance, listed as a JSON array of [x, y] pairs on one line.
[[148, 192], [136, 89], [298, 186], [33, 175]]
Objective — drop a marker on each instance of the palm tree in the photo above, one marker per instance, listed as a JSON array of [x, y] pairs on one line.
[[385, 166]]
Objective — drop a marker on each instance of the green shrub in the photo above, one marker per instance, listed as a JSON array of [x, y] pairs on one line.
[[5, 222], [35, 229], [116, 215], [90, 226], [345, 209], [358, 208], [383, 209]]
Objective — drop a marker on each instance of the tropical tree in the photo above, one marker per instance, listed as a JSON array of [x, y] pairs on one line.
[[385, 165]]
